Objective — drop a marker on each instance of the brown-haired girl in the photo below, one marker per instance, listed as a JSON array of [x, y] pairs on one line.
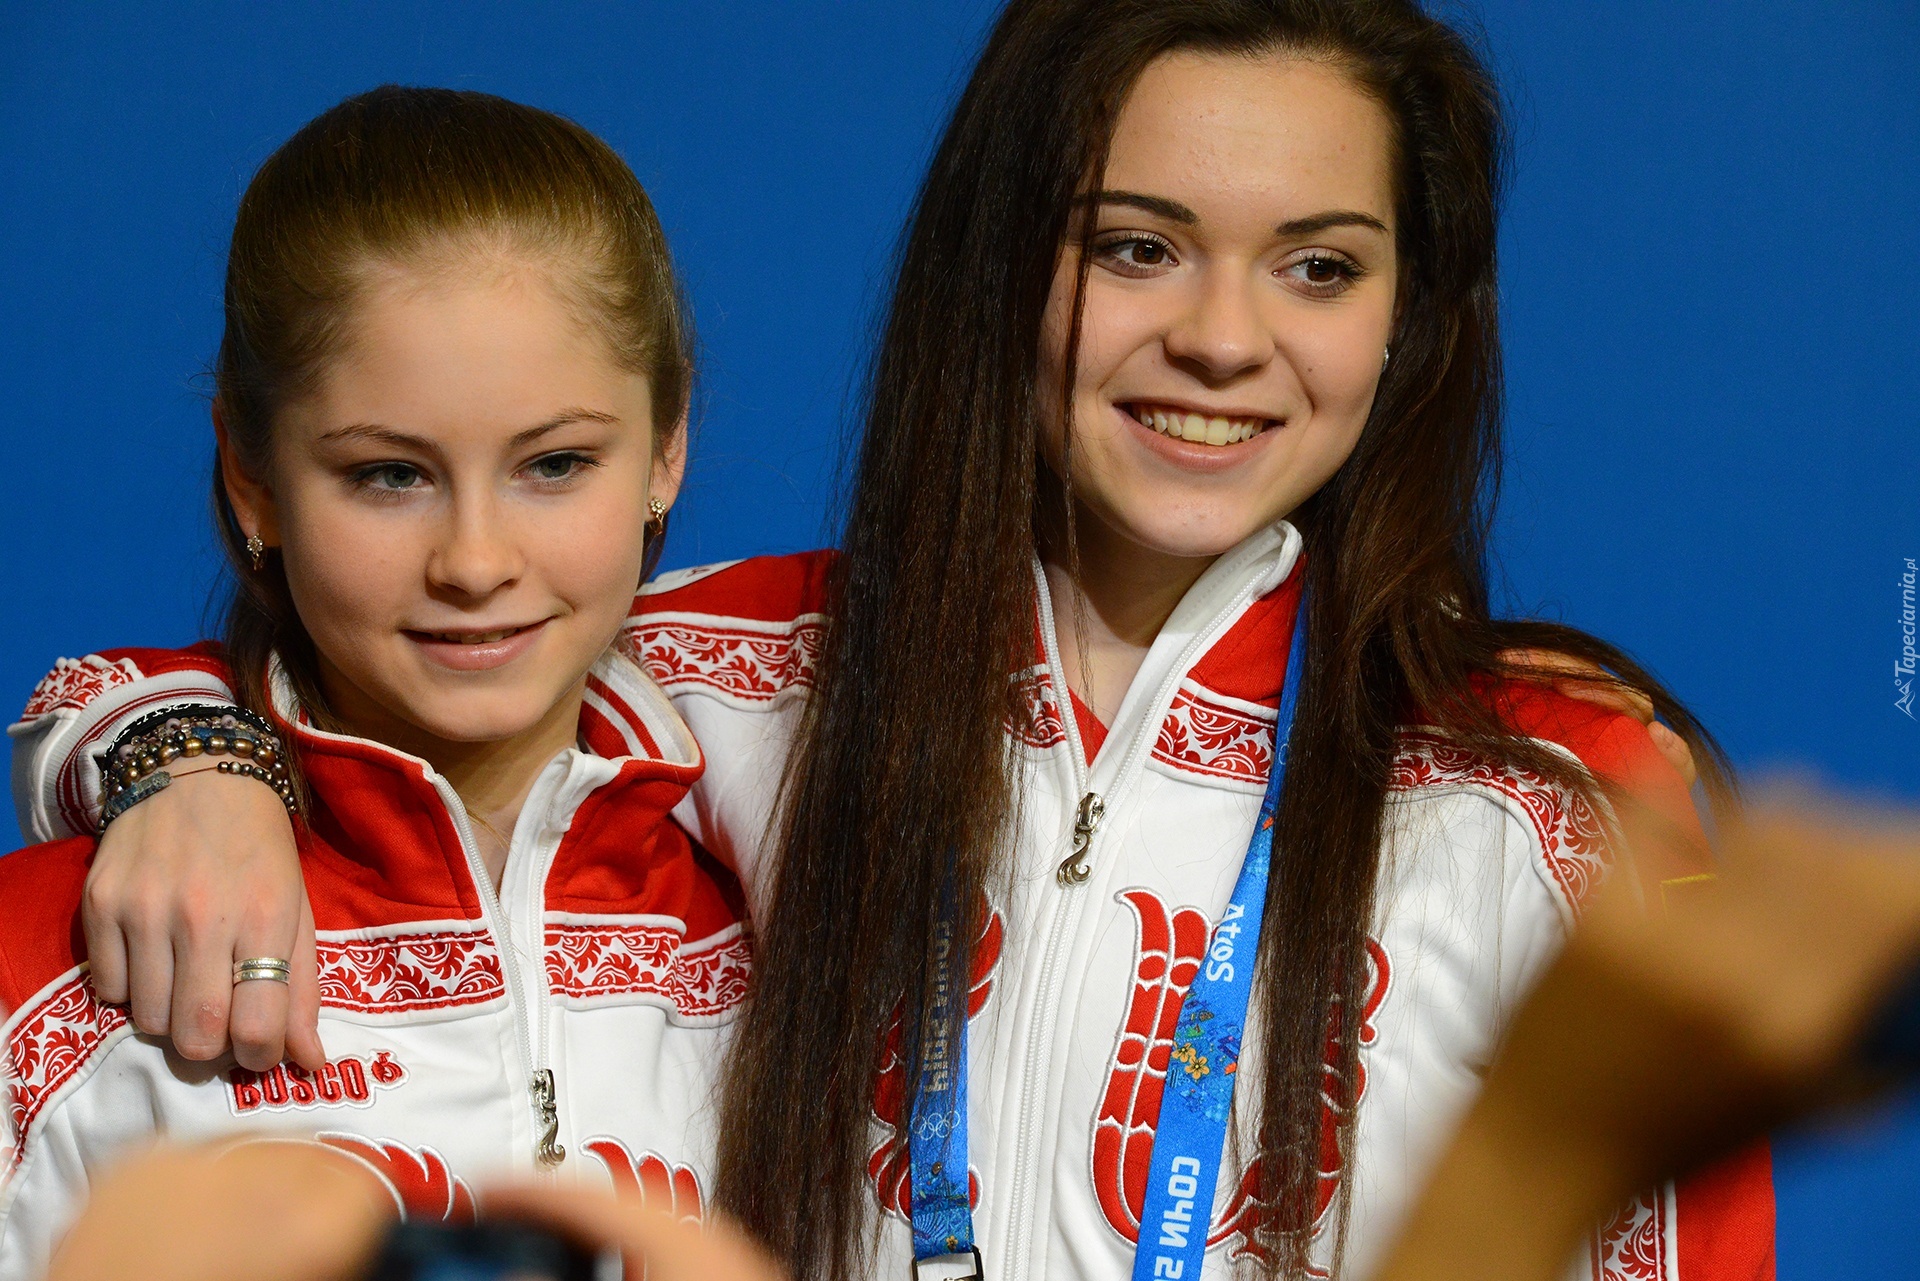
[[452, 397], [1178, 466]]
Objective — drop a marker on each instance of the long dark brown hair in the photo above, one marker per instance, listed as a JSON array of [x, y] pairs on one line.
[[398, 175], [901, 787]]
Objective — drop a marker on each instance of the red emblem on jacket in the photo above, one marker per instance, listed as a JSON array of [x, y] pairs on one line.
[[423, 1186], [419, 1179], [1169, 946], [891, 1165], [659, 1183], [343, 1082]]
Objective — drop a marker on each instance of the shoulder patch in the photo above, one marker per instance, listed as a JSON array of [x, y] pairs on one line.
[[747, 662], [75, 682], [1569, 831], [747, 631], [674, 580], [765, 589]]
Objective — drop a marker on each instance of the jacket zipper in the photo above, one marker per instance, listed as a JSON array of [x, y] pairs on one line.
[[1046, 1009], [1073, 869], [1070, 875], [543, 1098]]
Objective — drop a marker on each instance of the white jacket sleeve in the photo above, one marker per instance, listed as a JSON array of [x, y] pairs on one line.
[[76, 711], [42, 1196]]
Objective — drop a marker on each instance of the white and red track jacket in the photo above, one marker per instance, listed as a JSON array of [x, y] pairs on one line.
[[1075, 990], [613, 957]]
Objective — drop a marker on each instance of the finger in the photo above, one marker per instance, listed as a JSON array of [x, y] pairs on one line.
[[106, 944], [257, 1022], [653, 1243], [149, 977], [303, 1004], [1675, 750], [1577, 678], [202, 992], [1624, 699]]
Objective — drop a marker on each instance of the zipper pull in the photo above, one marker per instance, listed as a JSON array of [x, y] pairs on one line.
[[545, 1106], [1086, 820]]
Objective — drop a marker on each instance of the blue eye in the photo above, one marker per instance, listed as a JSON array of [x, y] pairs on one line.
[[563, 466], [390, 477]]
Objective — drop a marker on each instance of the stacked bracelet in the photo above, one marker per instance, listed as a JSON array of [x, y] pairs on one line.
[[135, 767]]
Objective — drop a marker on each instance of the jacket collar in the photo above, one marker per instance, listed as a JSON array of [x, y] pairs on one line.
[[1243, 580], [383, 839], [1225, 645]]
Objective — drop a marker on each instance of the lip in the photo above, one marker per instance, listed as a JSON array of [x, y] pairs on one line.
[[1195, 407], [477, 656], [1192, 456]]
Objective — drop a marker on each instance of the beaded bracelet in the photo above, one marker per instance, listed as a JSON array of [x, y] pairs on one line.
[[134, 768]]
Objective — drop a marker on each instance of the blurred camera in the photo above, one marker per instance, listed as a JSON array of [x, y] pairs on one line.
[[488, 1251]]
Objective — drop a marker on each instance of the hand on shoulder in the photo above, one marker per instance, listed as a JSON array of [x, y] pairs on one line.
[[201, 875]]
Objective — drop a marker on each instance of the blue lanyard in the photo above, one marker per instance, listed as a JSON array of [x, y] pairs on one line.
[[940, 1201], [1191, 1133]]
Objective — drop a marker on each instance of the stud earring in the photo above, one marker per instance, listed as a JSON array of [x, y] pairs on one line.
[[656, 518], [1386, 354], [256, 551]]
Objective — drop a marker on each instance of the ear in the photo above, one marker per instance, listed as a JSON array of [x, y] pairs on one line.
[[669, 464], [252, 501]]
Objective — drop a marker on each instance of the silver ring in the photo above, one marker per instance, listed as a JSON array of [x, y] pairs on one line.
[[270, 968]]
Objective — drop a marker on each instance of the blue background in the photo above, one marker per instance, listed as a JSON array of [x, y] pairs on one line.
[[1710, 269]]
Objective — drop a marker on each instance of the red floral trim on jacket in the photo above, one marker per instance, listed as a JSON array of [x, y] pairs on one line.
[[1042, 727], [75, 682], [1204, 733], [1632, 1244], [1572, 836], [403, 973], [699, 980], [743, 662], [51, 1040]]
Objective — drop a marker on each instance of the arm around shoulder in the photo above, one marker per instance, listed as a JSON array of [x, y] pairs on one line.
[[76, 710]]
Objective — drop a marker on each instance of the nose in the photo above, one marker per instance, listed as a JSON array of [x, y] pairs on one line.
[[477, 555], [1221, 333]]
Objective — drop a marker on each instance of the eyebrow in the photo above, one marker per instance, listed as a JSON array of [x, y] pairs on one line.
[[1308, 225], [1171, 210], [1174, 211], [377, 434]]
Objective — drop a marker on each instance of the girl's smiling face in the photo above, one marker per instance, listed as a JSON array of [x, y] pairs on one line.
[[460, 504], [1239, 300]]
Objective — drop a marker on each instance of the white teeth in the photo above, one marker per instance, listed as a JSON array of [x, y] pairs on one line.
[[1201, 429], [471, 638]]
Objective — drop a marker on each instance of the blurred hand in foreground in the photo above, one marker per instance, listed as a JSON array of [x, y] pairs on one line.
[[293, 1211], [1669, 1033], [239, 1212]]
